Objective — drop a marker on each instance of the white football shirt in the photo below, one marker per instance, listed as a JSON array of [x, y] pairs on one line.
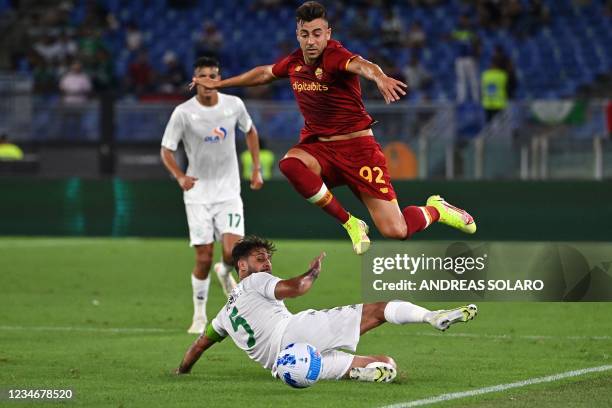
[[254, 318], [209, 138]]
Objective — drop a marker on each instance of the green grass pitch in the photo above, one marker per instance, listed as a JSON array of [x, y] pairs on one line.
[[108, 318]]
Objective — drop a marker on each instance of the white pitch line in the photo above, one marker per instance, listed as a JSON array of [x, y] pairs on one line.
[[89, 329], [500, 387], [509, 336]]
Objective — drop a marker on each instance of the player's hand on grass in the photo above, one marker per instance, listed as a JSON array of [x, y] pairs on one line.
[[186, 182], [177, 371], [315, 265], [256, 180], [391, 89]]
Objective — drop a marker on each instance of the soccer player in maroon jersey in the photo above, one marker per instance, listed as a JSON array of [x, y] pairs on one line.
[[337, 146]]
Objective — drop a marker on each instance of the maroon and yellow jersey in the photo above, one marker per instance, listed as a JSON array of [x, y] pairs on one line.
[[328, 95]]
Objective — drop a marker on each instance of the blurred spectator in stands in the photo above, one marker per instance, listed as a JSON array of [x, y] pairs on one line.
[[369, 90], [61, 16], [210, 41], [98, 17], [49, 48], [140, 74], [182, 4], [8, 150], [537, 16], [417, 77], [102, 71], [425, 3], [391, 29], [416, 38], [44, 75], [173, 79], [284, 47], [361, 26], [490, 13], [15, 43], [68, 46], [494, 90], [75, 85], [269, 4], [90, 43], [133, 37], [505, 63], [392, 70], [512, 16], [260, 92], [467, 52], [608, 8], [56, 16], [266, 161]]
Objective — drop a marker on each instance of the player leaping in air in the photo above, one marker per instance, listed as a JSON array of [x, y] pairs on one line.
[[337, 146]]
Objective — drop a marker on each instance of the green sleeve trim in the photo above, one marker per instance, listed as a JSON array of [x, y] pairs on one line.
[[212, 334]]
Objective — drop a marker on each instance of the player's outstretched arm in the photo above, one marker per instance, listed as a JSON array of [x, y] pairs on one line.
[[390, 88], [298, 286], [186, 182], [252, 141], [194, 353], [260, 75]]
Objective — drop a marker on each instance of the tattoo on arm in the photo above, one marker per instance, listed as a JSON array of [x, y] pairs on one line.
[[313, 272]]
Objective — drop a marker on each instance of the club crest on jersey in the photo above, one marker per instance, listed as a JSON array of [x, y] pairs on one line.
[[218, 135], [233, 297], [319, 73]]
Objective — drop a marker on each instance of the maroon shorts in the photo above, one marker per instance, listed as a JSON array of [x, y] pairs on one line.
[[358, 163]]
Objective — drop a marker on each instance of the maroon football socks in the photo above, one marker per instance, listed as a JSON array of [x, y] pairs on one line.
[[419, 218], [312, 188]]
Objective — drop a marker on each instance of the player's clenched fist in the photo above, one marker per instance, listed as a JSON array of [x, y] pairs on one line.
[[186, 182], [256, 180]]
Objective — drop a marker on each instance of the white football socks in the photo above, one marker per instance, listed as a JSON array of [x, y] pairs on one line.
[[200, 295], [400, 312]]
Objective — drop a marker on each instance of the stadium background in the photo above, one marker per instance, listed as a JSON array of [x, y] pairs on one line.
[[538, 171]]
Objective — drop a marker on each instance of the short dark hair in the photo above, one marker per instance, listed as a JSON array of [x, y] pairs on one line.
[[206, 61], [311, 10], [247, 244]]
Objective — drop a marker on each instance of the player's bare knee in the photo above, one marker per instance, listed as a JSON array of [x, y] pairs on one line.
[[227, 259], [373, 315], [376, 310], [388, 360], [203, 260], [380, 310], [227, 256], [363, 361], [394, 231]]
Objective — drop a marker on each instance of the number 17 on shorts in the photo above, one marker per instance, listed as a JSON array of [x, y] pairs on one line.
[[208, 222], [229, 219]]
